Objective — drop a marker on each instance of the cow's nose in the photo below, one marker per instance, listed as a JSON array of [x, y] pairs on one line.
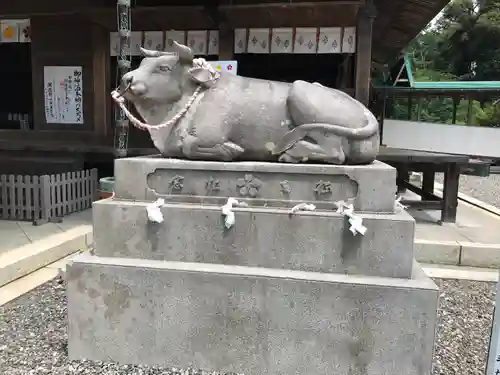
[[127, 80]]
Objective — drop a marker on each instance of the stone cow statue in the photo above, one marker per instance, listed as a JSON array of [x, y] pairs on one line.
[[198, 113]]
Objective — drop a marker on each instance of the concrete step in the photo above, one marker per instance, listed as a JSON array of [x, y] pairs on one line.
[[248, 320], [261, 237], [23, 260], [25, 284], [370, 188]]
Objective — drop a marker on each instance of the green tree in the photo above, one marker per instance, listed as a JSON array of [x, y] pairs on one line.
[[489, 116], [464, 44]]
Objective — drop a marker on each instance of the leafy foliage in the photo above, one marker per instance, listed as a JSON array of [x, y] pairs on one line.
[[464, 44]]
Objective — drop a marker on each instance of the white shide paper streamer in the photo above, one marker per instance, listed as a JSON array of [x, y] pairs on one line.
[[154, 213], [302, 207], [355, 221], [398, 205], [227, 211]]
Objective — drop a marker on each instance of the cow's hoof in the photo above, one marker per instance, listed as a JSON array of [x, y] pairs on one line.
[[285, 158]]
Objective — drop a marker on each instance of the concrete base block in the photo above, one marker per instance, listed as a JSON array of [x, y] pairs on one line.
[[261, 237], [22, 261], [437, 252], [249, 320], [480, 255], [371, 188]]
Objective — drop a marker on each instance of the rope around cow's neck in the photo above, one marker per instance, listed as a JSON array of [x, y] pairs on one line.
[[142, 125], [197, 63]]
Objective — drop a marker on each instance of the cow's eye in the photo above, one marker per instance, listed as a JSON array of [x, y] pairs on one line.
[[164, 68]]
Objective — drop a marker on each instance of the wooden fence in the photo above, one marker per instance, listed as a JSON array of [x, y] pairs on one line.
[[46, 198]]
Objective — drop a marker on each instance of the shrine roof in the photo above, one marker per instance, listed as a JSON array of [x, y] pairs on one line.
[[398, 22]]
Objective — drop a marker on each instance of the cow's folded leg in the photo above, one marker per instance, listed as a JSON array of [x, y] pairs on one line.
[[286, 158], [226, 151], [303, 151]]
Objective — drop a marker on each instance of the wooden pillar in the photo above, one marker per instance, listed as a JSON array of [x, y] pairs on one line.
[[364, 31], [100, 70], [410, 106], [469, 111], [455, 105], [226, 42], [419, 108], [384, 115]]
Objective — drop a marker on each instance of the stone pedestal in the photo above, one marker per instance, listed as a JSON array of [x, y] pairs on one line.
[[277, 293]]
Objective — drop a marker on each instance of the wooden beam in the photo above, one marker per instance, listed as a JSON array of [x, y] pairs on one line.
[[100, 80], [364, 32], [185, 18], [28, 8], [304, 16], [281, 5]]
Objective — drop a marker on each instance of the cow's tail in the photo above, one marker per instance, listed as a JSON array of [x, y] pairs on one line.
[[300, 132]]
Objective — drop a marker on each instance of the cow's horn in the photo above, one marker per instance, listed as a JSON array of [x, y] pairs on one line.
[[184, 52]]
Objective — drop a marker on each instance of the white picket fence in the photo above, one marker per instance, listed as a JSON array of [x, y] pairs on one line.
[[46, 198]]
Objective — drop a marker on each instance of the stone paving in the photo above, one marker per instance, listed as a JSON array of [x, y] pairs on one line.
[[14, 234], [33, 334]]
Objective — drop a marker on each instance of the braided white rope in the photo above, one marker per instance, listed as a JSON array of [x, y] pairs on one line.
[[197, 63]]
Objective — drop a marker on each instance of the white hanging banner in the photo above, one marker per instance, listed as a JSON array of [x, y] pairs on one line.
[[306, 40], [153, 40], [10, 31], [258, 41], [197, 41], [174, 35], [63, 92], [330, 40], [24, 31], [135, 43], [213, 42], [114, 44], [225, 66], [240, 40], [282, 40], [349, 40]]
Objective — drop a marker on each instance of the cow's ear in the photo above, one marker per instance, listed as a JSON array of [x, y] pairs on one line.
[[185, 54], [201, 76], [149, 53]]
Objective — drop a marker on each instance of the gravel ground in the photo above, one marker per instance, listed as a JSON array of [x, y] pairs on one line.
[[486, 189], [33, 334]]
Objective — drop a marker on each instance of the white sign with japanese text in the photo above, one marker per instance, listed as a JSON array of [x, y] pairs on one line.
[[63, 92]]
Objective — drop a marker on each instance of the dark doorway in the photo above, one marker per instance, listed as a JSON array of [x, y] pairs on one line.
[[322, 68], [16, 102]]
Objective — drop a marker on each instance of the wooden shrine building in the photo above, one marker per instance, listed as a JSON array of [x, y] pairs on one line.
[[48, 48]]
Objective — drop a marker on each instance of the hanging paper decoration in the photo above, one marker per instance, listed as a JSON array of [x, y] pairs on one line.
[[153, 40], [306, 40], [282, 40], [197, 41], [114, 44], [330, 40], [10, 31], [213, 42], [349, 40], [258, 41], [135, 43], [174, 35], [240, 40], [24, 31]]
